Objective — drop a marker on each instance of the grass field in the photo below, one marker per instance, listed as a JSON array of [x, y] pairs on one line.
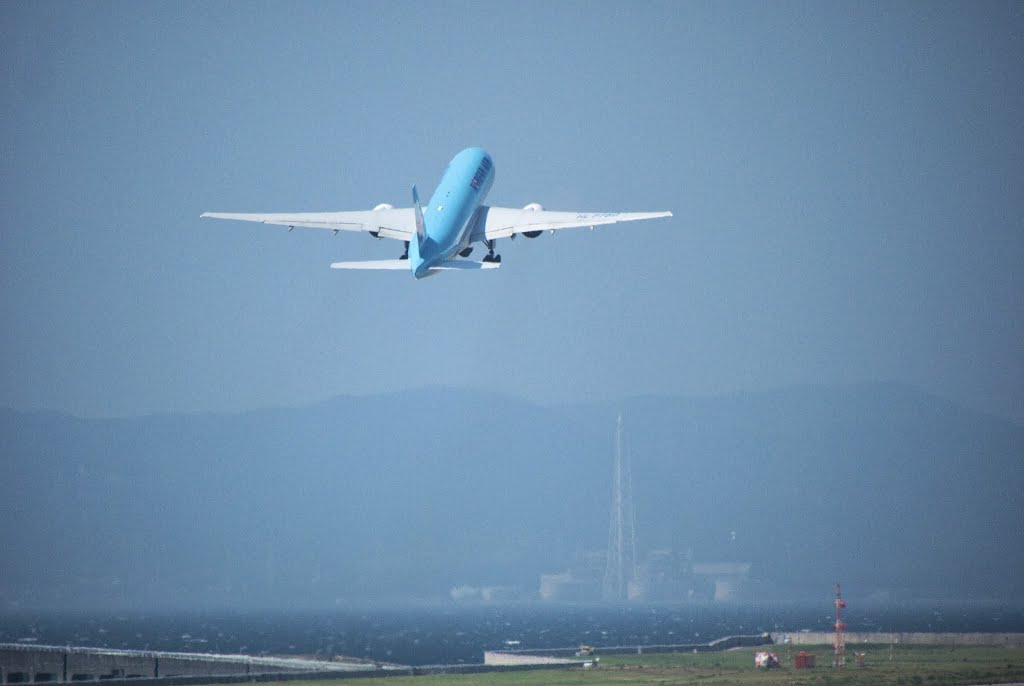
[[908, 666]]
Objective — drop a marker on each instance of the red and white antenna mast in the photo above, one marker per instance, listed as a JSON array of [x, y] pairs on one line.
[[839, 659]]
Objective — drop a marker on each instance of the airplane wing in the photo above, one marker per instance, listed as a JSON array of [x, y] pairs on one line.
[[399, 224], [502, 222]]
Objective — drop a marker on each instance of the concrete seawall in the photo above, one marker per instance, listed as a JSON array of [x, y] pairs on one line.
[[24, 664], [34, 664], [1009, 640], [555, 656], [38, 664]]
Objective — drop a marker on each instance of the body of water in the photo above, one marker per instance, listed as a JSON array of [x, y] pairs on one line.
[[447, 634]]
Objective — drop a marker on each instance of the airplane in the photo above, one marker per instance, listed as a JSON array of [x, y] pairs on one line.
[[437, 237]]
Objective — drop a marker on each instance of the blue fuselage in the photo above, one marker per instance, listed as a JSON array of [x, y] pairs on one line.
[[446, 217]]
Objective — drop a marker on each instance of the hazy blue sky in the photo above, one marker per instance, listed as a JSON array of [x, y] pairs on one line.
[[846, 179]]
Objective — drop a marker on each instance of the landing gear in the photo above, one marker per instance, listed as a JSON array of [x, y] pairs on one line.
[[490, 256], [467, 252], [405, 255]]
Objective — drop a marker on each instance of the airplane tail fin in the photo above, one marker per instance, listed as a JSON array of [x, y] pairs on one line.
[[421, 229], [421, 233]]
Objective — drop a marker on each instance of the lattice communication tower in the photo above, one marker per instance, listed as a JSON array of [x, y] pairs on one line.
[[621, 563]]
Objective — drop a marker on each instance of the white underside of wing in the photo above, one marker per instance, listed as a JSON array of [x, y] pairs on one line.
[[502, 222], [398, 224]]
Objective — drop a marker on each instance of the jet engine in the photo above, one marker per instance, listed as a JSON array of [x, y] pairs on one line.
[[382, 206], [533, 207]]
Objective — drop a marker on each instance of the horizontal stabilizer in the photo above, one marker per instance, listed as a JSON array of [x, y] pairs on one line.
[[464, 264], [404, 264], [373, 264]]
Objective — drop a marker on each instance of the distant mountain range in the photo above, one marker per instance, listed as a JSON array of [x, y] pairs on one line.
[[407, 495]]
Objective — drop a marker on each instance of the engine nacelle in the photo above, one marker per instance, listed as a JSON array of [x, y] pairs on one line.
[[533, 207], [383, 206]]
